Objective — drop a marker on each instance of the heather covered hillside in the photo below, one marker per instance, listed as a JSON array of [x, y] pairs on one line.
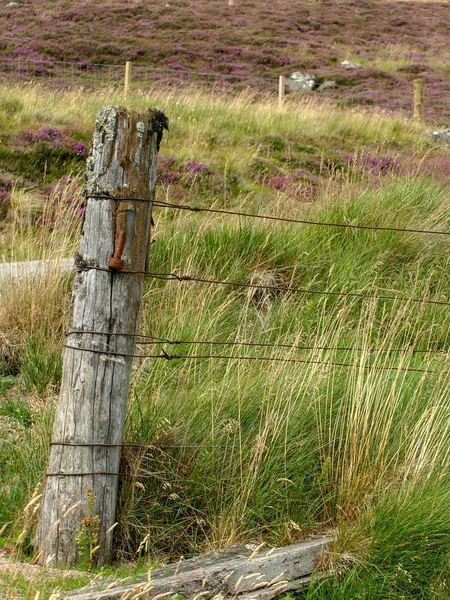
[[394, 42], [292, 377]]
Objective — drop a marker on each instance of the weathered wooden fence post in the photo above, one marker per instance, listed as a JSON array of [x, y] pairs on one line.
[[418, 86], [88, 430], [281, 89], [127, 82]]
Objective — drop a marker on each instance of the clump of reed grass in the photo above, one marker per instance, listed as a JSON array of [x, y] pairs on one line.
[[33, 307]]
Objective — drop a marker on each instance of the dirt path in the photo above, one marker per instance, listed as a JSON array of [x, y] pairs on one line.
[[34, 268], [13, 574]]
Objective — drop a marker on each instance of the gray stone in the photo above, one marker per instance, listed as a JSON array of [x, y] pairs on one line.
[[13, 4], [301, 81], [328, 84], [441, 137], [348, 64]]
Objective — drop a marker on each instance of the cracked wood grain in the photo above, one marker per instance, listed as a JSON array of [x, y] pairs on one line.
[[94, 388]]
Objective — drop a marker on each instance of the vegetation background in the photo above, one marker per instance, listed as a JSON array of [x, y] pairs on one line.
[[270, 451]]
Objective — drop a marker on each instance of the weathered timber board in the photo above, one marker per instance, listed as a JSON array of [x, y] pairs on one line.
[[260, 575]]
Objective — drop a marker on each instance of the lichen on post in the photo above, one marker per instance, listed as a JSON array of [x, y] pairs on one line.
[[82, 479]]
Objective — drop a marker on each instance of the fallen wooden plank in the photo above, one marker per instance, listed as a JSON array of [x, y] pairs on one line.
[[268, 593], [34, 268], [259, 574], [182, 566]]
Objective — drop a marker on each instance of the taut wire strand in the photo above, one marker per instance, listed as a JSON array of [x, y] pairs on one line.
[[188, 278], [167, 356], [151, 340], [222, 211]]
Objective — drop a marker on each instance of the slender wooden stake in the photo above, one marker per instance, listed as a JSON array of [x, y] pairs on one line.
[[94, 388], [127, 78], [281, 89], [419, 93]]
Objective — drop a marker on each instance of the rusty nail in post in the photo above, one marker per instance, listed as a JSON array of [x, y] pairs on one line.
[[116, 263]]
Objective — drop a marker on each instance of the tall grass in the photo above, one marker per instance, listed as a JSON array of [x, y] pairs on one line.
[[278, 451], [348, 441], [32, 311], [32, 321]]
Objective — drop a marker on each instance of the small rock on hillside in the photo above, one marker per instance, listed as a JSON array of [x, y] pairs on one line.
[[328, 84], [441, 137], [301, 81], [348, 64]]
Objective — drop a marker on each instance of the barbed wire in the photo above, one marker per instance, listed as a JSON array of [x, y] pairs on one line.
[[187, 207], [277, 359], [90, 473], [154, 340], [148, 446], [189, 278]]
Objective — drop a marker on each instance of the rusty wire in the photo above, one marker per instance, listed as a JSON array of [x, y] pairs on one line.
[[187, 207], [169, 357], [114, 474], [130, 445], [293, 290], [151, 340]]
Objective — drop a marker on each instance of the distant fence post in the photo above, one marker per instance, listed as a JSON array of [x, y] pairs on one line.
[[82, 477], [419, 93], [281, 89], [127, 77]]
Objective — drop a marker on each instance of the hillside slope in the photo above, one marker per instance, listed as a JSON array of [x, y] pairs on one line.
[[393, 41], [337, 421]]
